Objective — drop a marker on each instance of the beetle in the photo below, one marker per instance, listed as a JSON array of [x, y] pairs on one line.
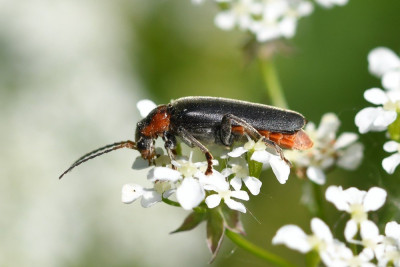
[[200, 120]]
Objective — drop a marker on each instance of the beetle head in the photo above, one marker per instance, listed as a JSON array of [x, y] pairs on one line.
[[144, 144]]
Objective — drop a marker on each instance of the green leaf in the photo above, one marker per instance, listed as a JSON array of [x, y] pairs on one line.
[[215, 232], [191, 222], [232, 220]]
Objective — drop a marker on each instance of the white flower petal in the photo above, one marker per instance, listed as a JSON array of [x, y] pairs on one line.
[[351, 157], [381, 60], [280, 169], [168, 193], [321, 230], [336, 195], [237, 152], [374, 119], [390, 163], [163, 174], [235, 205], [288, 26], [236, 183], [391, 146], [374, 199], [253, 184], [376, 96], [226, 172], [368, 230], [384, 119], [190, 193], [131, 192], [305, 9], [392, 230], [213, 200], [350, 230], [261, 156], [149, 198], [344, 140], [391, 80], [316, 175], [293, 237], [329, 124], [240, 195], [354, 196], [145, 106], [225, 20]]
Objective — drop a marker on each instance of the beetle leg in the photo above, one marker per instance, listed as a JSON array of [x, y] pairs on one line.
[[193, 142], [226, 134], [170, 146]]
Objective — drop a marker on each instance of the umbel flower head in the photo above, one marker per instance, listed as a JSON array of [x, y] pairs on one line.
[[328, 150], [374, 247], [266, 19], [384, 64], [217, 198]]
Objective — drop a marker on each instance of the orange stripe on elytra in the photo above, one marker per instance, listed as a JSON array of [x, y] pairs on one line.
[[298, 140]]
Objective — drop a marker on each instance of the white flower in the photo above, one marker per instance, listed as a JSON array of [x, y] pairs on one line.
[[391, 248], [279, 167], [132, 192], [385, 64], [241, 173], [218, 184], [370, 237], [328, 150], [390, 163], [294, 237], [240, 14], [331, 3], [190, 193], [357, 203], [378, 118], [279, 19]]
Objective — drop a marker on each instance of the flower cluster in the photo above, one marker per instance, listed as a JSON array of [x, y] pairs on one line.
[[327, 151], [383, 249], [215, 198], [266, 19], [384, 64]]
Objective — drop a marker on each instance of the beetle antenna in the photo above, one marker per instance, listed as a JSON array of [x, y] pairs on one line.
[[100, 151]]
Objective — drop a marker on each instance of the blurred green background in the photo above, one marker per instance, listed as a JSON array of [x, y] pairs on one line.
[[71, 73]]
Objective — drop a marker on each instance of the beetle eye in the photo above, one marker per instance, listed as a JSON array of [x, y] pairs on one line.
[[143, 144]]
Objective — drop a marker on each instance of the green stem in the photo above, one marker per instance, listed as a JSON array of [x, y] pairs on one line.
[[318, 199], [170, 202], [257, 251], [272, 83]]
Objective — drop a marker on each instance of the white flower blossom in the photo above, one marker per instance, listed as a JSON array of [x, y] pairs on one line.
[[132, 192], [294, 237], [239, 169], [391, 248], [267, 19], [279, 167], [328, 150], [390, 163], [378, 118], [385, 64], [223, 192], [357, 203], [331, 3]]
